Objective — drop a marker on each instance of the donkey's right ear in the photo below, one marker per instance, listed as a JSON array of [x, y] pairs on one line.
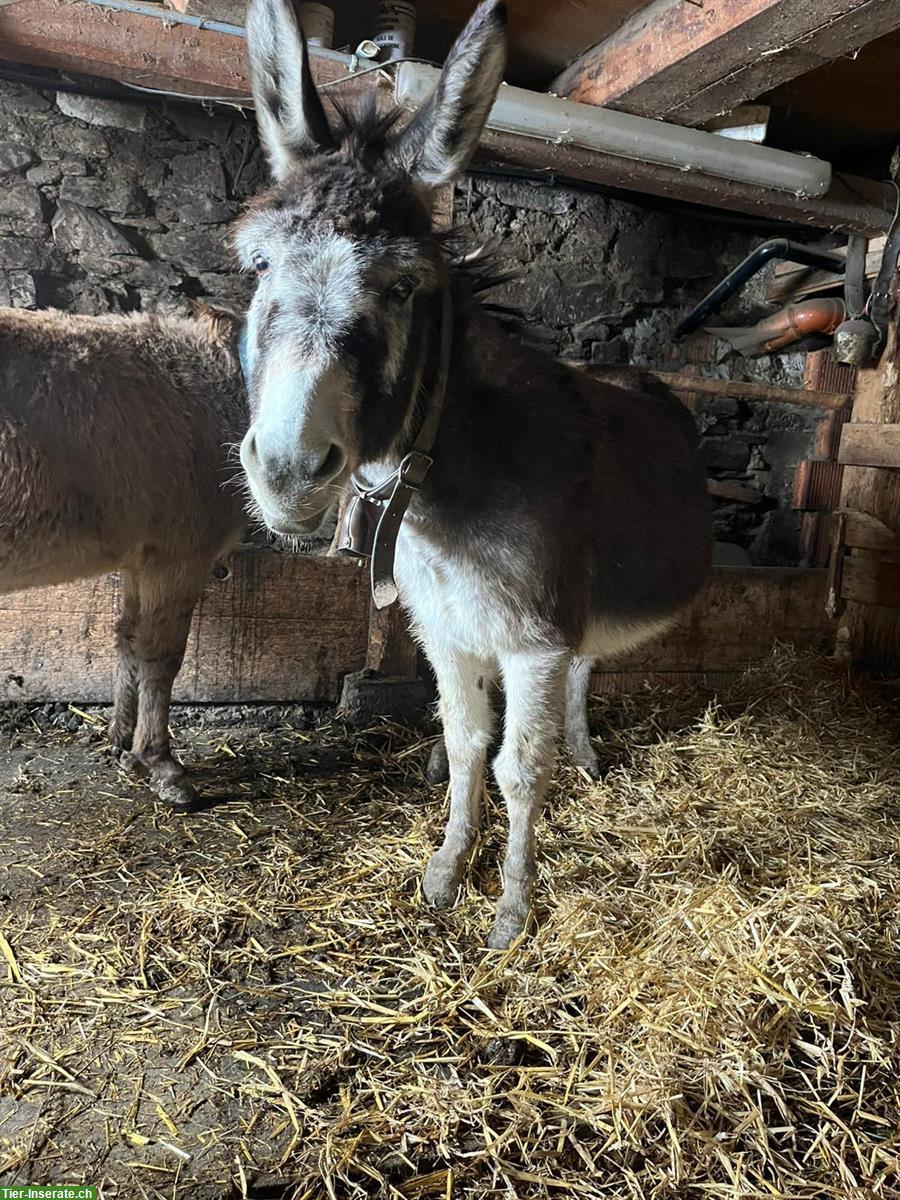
[[289, 110], [440, 139]]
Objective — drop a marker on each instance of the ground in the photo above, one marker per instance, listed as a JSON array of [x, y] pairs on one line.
[[254, 1001]]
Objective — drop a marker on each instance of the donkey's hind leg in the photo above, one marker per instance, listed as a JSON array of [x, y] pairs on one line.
[[463, 683], [167, 600], [534, 683], [578, 734], [125, 700]]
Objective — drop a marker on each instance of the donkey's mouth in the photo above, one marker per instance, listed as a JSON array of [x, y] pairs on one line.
[[293, 526]]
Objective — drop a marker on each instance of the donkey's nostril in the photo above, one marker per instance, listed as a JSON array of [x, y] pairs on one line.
[[331, 463]]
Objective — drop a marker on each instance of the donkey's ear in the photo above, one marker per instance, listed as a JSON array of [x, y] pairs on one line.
[[443, 135], [289, 110]]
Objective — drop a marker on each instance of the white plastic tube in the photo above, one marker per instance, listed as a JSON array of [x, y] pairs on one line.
[[552, 119]]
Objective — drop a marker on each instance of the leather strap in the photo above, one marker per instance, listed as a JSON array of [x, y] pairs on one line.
[[372, 519]]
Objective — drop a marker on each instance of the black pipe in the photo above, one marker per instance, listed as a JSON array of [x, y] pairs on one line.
[[754, 262]]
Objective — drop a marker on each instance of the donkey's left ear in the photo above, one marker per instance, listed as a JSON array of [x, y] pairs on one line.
[[438, 142]]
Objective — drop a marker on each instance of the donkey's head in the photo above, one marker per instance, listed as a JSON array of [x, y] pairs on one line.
[[350, 277]]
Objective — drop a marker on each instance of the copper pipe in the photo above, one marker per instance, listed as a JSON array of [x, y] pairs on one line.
[[800, 320]]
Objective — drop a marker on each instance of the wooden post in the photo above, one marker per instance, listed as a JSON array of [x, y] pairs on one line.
[[869, 631]]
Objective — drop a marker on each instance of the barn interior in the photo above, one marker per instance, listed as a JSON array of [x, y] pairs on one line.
[[254, 1000]]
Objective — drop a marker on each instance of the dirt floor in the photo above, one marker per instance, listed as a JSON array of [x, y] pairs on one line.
[[253, 1001]]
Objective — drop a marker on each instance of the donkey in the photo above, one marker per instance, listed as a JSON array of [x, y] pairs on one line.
[[550, 515], [114, 436]]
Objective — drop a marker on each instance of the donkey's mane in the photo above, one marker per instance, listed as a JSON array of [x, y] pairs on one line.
[[479, 272], [361, 131]]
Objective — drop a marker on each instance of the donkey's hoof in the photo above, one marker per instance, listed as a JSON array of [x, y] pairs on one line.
[[438, 768], [581, 754], [440, 883], [177, 793], [507, 927], [590, 764]]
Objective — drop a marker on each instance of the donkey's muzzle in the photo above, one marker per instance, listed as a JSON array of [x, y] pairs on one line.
[[288, 487]]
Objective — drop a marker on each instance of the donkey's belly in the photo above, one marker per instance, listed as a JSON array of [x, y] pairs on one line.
[[608, 637]]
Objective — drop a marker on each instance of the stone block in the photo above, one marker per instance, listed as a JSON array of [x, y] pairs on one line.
[[367, 697], [21, 201], [724, 453], [193, 250], [44, 174], [95, 111], [14, 156], [83, 230]]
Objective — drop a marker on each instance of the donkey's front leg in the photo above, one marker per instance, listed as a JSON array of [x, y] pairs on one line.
[[466, 716], [534, 684]]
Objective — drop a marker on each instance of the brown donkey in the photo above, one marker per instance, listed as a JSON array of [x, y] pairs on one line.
[[114, 455], [551, 515]]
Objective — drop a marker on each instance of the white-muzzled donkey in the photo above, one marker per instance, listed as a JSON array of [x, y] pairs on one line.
[[560, 515]]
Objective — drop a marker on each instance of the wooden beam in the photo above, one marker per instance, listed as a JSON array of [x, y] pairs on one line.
[[690, 62], [742, 390], [871, 445], [75, 35]]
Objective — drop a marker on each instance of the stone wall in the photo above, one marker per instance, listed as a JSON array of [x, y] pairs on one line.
[[107, 206]]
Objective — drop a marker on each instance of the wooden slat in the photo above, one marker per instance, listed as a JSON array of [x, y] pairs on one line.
[[75, 35], [281, 627], [869, 581], [865, 445], [862, 531], [690, 62]]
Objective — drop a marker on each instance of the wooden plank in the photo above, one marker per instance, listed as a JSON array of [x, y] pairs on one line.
[[870, 581], [870, 445], [869, 630], [791, 281], [865, 532], [689, 62], [278, 628], [737, 619], [74, 35]]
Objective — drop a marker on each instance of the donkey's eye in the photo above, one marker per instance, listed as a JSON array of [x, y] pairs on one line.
[[402, 288], [260, 264]]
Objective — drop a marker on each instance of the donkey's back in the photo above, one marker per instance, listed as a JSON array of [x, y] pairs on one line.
[[111, 442]]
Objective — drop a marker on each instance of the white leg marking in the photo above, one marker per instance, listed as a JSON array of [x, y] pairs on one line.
[[534, 683], [578, 734], [463, 686]]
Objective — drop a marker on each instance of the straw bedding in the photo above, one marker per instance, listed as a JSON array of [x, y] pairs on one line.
[[253, 1001]]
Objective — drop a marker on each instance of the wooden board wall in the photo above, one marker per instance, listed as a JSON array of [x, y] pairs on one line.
[[280, 627], [285, 628], [738, 618]]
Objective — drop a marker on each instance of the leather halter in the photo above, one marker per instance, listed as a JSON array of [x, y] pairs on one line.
[[371, 521]]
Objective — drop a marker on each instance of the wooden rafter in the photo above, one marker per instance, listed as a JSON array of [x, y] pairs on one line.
[[75, 35], [690, 62]]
